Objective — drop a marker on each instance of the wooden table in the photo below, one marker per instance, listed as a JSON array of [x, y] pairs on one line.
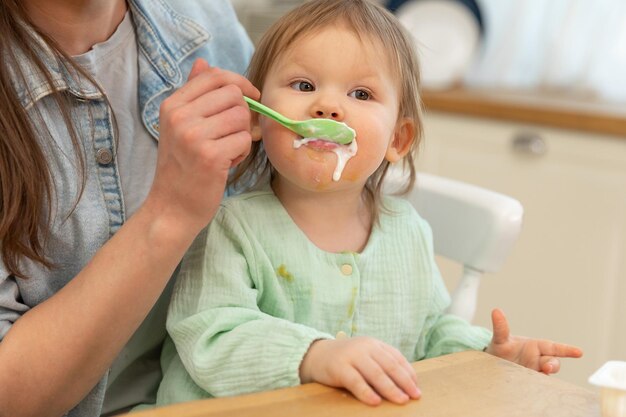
[[462, 384]]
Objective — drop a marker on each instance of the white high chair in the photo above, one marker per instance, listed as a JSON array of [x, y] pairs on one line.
[[472, 226]]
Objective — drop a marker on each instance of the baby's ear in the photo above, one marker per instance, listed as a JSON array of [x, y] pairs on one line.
[[403, 138], [255, 127]]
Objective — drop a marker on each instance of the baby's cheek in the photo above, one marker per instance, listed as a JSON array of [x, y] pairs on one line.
[[350, 176]]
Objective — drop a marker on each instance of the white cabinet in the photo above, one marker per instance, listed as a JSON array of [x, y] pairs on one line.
[[566, 277]]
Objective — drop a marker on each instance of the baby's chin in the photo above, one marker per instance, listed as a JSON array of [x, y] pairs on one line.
[[313, 181]]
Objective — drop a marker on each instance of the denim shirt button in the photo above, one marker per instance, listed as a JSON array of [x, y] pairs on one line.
[[167, 67], [104, 156]]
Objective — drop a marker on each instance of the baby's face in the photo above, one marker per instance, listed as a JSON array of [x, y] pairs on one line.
[[330, 74]]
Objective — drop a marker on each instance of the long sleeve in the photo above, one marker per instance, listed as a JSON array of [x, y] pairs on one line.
[[226, 344], [447, 333], [444, 333]]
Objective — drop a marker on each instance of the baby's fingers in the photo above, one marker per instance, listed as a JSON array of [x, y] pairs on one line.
[[384, 384], [560, 350], [567, 351], [406, 366], [549, 365], [400, 371], [354, 382]]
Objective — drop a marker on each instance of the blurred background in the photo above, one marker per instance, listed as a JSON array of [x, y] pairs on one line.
[[528, 98], [578, 46]]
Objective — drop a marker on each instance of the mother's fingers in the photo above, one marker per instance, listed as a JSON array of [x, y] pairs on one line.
[[211, 79], [232, 120], [199, 65], [219, 100], [234, 147], [191, 125]]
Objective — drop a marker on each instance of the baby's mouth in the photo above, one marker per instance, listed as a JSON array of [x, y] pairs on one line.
[[317, 144], [322, 145]]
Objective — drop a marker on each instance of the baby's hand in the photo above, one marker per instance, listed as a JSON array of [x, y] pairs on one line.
[[368, 368], [540, 355]]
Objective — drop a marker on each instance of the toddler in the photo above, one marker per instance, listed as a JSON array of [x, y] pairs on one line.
[[315, 275]]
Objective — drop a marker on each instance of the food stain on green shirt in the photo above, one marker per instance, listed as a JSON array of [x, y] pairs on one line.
[[352, 303], [282, 272]]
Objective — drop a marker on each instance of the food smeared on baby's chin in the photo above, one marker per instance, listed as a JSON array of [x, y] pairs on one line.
[[316, 155], [318, 150], [321, 147]]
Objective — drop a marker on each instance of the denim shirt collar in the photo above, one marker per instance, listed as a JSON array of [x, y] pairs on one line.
[[32, 85], [163, 52]]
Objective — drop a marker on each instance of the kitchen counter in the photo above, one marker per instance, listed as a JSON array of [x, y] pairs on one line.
[[577, 113]]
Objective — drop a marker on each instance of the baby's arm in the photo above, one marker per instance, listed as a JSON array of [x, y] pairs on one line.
[[444, 333], [439, 333], [540, 355], [228, 346]]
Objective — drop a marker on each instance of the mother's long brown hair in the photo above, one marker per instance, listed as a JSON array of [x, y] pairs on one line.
[[26, 185]]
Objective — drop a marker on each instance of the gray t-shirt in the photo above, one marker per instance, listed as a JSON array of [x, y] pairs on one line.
[[113, 64]]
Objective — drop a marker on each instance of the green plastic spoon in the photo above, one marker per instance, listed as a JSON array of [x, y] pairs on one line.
[[326, 129]]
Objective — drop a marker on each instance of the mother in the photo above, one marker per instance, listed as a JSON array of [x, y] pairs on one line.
[[93, 218]]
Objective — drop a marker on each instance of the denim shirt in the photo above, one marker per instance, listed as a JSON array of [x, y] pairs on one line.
[[170, 34]]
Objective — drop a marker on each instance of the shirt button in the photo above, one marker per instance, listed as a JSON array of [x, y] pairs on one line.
[[341, 335], [346, 269], [104, 156]]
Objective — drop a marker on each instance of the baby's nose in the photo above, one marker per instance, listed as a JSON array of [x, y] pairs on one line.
[[327, 114], [328, 109]]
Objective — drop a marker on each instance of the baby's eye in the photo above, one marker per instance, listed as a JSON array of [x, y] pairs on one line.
[[360, 94], [302, 86]]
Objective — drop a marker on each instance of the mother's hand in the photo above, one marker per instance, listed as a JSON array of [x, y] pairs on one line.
[[204, 131]]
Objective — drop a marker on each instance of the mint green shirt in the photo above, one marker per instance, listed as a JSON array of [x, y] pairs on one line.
[[254, 292]]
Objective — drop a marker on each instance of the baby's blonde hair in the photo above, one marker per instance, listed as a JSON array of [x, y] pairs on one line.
[[369, 22]]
